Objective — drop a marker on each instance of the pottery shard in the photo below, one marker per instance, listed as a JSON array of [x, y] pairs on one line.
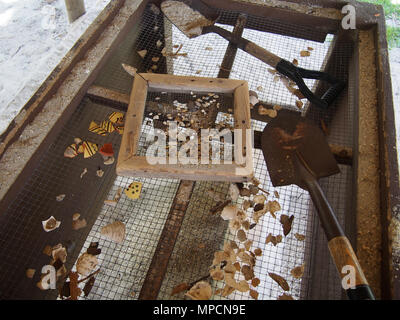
[[114, 231], [86, 264]]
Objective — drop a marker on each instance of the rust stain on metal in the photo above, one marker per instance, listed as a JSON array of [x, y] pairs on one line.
[[165, 246]]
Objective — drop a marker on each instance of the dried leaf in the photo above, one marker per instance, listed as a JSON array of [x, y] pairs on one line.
[[273, 206], [305, 53], [237, 266], [286, 222], [244, 192], [227, 291], [234, 225], [246, 258], [142, 53], [248, 244], [241, 235], [258, 252], [247, 272], [259, 199], [279, 280], [241, 286], [299, 236], [246, 224], [298, 272], [254, 294], [179, 288], [217, 274], [255, 282], [88, 286], [75, 292], [273, 239], [200, 291], [295, 62], [285, 297]]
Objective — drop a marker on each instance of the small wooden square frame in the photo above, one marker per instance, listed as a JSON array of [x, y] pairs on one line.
[[129, 164]]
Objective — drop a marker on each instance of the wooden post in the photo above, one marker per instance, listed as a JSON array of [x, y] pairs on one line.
[[75, 8]]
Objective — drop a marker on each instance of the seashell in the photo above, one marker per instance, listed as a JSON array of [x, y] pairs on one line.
[[59, 252], [234, 191], [200, 291], [114, 231], [71, 151], [50, 224], [86, 264], [229, 212], [60, 197], [78, 140]]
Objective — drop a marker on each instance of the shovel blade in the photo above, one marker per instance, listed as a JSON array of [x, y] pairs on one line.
[[288, 136]]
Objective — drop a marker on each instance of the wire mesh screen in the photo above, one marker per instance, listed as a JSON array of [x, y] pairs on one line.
[[154, 45]]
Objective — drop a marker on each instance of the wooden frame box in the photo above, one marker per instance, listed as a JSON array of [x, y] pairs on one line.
[[130, 164]]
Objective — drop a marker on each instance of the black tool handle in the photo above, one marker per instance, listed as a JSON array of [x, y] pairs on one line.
[[339, 246], [286, 68], [298, 74]]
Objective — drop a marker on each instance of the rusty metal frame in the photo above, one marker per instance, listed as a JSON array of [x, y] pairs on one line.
[[368, 17]]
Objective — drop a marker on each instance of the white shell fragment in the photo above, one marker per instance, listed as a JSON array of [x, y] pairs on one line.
[[83, 172], [99, 173], [86, 264], [200, 291], [114, 231], [129, 69], [60, 197], [234, 191], [109, 161], [229, 212], [50, 224]]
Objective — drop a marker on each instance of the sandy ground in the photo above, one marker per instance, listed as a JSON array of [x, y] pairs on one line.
[[34, 36]]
